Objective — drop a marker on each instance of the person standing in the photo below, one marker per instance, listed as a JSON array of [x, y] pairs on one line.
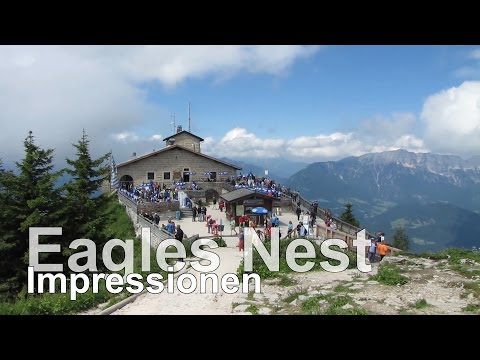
[[298, 211], [194, 212], [179, 236], [289, 229], [372, 250], [241, 240], [233, 226], [382, 250]]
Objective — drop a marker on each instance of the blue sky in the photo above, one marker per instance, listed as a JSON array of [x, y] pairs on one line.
[[304, 103]]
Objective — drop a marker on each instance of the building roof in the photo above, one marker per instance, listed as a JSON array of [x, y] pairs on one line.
[[242, 193], [138, 158], [183, 132]]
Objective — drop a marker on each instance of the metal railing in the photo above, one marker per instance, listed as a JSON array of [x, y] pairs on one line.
[[341, 225], [127, 201]]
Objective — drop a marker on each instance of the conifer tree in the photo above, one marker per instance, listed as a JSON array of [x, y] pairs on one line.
[[29, 199], [6, 235], [400, 239], [84, 209], [348, 216]]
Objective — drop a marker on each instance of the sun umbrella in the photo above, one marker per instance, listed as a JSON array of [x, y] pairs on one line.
[[259, 210]]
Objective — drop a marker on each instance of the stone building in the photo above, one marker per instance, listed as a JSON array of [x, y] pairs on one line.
[[241, 202], [181, 160]]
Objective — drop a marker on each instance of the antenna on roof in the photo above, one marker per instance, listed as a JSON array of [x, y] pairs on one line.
[[189, 119], [173, 123]]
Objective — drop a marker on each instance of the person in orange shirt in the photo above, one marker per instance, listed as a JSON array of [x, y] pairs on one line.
[[382, 249]]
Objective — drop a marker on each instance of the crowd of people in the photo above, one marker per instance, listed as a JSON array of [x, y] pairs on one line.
[[149, 192], [259, 184]]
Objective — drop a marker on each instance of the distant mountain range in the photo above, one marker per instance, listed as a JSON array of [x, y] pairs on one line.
[[420, 188]]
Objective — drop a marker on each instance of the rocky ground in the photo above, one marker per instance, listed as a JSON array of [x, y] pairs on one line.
[[432, 287]]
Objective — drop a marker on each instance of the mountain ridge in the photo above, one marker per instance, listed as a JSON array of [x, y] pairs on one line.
[[377, 183]]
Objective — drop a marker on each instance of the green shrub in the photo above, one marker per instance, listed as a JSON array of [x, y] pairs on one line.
[[220, 242], [420, 304], [286, 281], [472, 308], [390, 275]]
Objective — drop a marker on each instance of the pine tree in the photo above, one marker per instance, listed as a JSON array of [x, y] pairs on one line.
[[29, 199], [400, 239], [84, 209], [348, 217], [6, 234]]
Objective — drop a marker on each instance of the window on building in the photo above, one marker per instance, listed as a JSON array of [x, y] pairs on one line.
[[166, 176], [150, 176]]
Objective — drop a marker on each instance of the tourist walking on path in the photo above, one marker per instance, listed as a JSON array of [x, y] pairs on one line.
[[233, 226], [241, 240]]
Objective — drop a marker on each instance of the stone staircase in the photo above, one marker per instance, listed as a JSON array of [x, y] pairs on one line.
[[186, 213]]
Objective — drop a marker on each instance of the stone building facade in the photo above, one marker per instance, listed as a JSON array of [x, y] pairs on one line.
[[185, 139], [180, 161]]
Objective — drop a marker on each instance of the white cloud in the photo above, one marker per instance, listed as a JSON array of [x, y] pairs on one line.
[[452, 119], [125, 137], [56, 91], [475, 54], [156, 137], [131, 137], [238, 143], [173, 64]]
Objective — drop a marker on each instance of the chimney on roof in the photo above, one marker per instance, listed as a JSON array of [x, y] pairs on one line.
[[179, 128]]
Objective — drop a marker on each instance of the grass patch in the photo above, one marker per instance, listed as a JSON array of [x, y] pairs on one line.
[[286, 281], [336, 304], [459, 260], [294, 295], [341, 288], [472, 308], [311, 306], [465, 270], [252, 309], [420, 304], [472, 288], [390, 275]]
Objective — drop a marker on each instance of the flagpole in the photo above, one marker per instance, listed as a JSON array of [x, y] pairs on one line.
[[111, 162]]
